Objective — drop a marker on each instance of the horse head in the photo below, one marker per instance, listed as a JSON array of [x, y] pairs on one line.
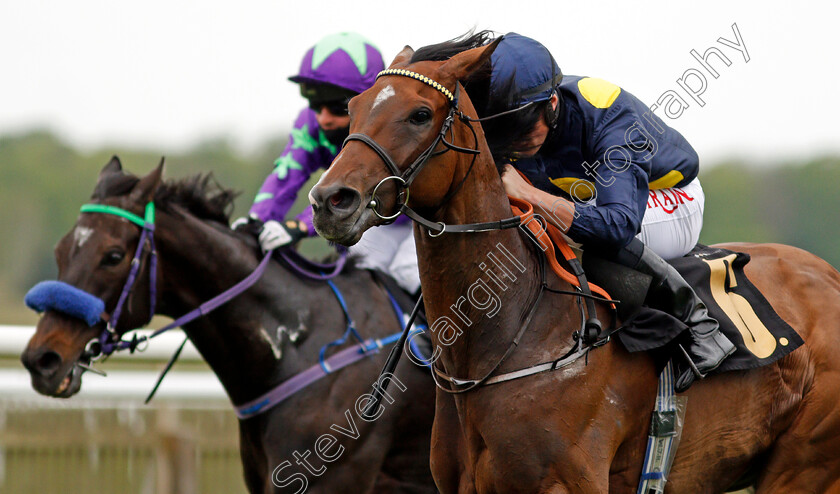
[[95, 258], [407, 120]]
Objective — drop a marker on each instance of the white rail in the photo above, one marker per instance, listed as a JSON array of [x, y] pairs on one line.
[[119, 384], [13, 340]]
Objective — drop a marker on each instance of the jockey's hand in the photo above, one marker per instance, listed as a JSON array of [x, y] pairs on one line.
[[275, 234], [247, 224], [240, 222], [515, 185]]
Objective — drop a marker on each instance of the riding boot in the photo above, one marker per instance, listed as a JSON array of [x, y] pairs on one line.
[[706, 347]]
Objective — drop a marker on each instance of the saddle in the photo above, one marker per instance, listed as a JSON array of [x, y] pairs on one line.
[[717, 276]]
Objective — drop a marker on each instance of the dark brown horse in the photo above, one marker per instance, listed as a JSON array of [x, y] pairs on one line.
[[581, 429], [269, 333]]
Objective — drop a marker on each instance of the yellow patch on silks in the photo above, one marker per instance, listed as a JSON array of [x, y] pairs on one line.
[[578, 188], [666, 181], [598, 92]]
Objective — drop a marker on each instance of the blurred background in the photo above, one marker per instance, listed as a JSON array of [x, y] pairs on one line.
[[204, 83]]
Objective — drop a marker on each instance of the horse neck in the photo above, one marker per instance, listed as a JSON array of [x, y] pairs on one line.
[[459, 271], [198, 262]]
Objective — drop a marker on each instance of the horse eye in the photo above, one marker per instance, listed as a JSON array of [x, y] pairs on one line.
[[112, 258], [420, 117]]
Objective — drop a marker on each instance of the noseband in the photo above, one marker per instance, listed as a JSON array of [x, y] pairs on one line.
[[404, 178], [64, 298], [589, 326]]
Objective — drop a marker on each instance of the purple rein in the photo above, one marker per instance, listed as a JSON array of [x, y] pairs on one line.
[[75, 302]]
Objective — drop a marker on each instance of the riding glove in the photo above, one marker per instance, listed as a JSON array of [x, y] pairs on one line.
[[275, 234]]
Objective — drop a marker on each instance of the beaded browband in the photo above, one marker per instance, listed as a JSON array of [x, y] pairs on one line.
[[421, 78]]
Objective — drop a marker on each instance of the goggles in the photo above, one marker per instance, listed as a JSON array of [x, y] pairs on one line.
[[337, 108]]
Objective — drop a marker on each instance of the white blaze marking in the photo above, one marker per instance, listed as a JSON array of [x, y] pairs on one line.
[[277, 352], [81, 235], [382, 96]]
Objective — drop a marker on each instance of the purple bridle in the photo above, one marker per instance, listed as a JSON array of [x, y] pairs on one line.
[[109, 341]]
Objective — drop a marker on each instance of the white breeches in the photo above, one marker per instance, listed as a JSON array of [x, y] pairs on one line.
[[390, 248], [673, 219]]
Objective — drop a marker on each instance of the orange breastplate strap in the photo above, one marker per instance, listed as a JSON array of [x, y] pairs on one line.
[[548, 239]]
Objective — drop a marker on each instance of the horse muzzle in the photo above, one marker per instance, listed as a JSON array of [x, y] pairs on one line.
[[51, 375], [338, 213], [52, 359]]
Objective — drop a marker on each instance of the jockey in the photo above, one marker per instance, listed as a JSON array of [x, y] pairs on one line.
[[631, 181], [337, 68]]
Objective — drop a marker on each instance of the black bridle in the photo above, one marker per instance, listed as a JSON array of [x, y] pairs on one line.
[[588, 336], [404, 178]]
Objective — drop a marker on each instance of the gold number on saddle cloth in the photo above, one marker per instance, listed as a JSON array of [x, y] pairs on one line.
[[757, 338]]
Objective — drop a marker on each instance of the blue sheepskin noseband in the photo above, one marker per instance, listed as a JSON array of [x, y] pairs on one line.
[[67, 299]]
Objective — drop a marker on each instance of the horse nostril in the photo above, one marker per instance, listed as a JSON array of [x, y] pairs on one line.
[[48, 363], [337, 198], [344, 199]]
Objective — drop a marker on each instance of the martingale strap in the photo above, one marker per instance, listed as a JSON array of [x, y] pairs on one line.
[[340, 360], [590, 327], [327, 366], [350, 331], [577, 279], [548, 242]]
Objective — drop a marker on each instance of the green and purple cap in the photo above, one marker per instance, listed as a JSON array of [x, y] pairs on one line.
[[344, 60]]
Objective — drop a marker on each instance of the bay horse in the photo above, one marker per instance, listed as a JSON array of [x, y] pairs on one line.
[[271, 332], [580, 429]]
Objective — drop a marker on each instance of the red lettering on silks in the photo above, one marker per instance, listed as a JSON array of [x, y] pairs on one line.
[[662, 205], [682, 194], [675, 198], [653, 200]]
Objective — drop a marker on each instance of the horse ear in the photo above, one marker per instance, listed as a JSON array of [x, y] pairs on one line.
[[145, 189], [403, 57], [113, 166], [111, 170], [466, 62]]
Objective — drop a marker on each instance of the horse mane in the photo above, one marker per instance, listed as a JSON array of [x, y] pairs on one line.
[[199, 194], [447, 49]]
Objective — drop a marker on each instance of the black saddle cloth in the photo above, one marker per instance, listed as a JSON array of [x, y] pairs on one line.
[[717, 275]]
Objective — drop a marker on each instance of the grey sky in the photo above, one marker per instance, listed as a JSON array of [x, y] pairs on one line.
[[166, 74]]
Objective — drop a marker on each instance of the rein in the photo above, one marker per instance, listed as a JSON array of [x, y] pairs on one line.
[[313, 270], [109, 341], [587, 338]]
